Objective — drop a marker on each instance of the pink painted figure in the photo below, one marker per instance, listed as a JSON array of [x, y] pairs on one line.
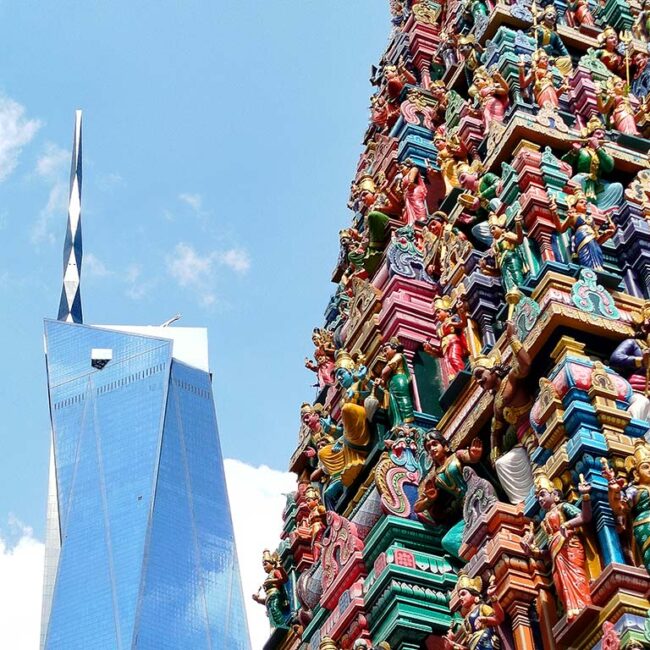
[[324, 356], [414, 192], [615, 101], [541, 77], [490, 90]]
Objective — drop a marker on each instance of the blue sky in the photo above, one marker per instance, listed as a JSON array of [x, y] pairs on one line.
[[220, 138]]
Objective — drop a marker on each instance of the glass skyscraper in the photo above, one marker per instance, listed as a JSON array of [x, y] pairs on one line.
[[140, 550]]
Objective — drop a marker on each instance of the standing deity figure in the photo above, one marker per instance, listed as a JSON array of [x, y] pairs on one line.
[[546, 94], [547, 39], [632, 359], [490, 91], [470, 51], [397, 76], [641, 27], [324, 356], [396, 377], [275, 598], [615, 101], [587, 237], [450, 330], [590, 160], [446, 476], [414, 192], [316, 520], [452, 158], [480, 619], [561, 524], [608, 51], [506, 255], [511, 410], [633, 499], [340, 460], [580, 13]]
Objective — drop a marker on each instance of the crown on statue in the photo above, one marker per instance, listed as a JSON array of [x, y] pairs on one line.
[[641, 452], [578, 195], [471, 584], [271, 558], [344, 360], [326, 643], [543, 482], [443, 302], [486, 361], [498, 220]]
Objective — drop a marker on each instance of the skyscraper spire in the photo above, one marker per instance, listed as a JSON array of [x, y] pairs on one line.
[[70, 304]]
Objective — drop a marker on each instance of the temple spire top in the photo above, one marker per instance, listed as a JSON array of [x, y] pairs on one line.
[[70, 304]]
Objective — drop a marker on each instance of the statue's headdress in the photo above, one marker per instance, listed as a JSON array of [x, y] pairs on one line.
[[543, 482], [572, 199], [641, 455], [605, 34], [497, 220], [473, 585], [442, 302], [594, 124], [271, 558], [344, 360], [486, 361]]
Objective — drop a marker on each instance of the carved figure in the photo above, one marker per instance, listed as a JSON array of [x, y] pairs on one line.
[[561, 524], [446, 475], [512, 405], [480, 619], [313, 525], [546, 94], [504, 251], [450, 328], [275, 597], [641, 28], [414, 192], [632, 359], [587, 236], [615, 101], [397, 76], [490, 91], [608, 51], [396, 376], [590, 160], [580, 13], [547, 38], [470, 52], [324, 356], [453, 158], [633, 498]]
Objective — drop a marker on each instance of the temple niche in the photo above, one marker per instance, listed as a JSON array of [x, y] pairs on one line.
[[473, 470]]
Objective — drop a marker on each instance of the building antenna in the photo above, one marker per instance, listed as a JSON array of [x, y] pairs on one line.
[[173, 319], [70, 304]]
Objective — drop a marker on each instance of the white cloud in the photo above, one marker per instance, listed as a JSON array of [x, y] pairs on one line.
[[15, 132], [94, 267], [56, 206], [21, 568], [52, 162], [237, 259], [256, 502], [196, 271], [195, 201]]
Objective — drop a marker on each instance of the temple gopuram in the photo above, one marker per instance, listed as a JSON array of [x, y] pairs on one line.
[[474, 471]]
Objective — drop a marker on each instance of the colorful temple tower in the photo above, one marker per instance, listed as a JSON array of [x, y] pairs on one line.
[[473, 472]]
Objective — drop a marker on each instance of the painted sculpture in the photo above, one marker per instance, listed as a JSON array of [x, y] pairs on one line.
[[490, 91], [586, 236], [547, 39], [545, 91], [414, 192], [396, 377], [561, 524], [446, 477], [275, 597], [324, 356], [450, 330], [481, 617], [632, 499], [512, 405]]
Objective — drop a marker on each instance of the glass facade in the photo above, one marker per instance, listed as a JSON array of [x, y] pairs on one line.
[[147, 556]]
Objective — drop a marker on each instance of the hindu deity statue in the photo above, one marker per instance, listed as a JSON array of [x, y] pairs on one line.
[[275, 597], [632, 359], [446, 476], [450, 330], [453, 157], [547, 38], [540, 76], [587, 237], [561, 524], [590, 160], [470, 51], [633, 498], [397, 76], [414, 193], [480, 619], [505, 257], [396, 377], [510, 419], [615, 101], [346, 456], [608, 51], [641, 27], [490, 91], [580, 13], [324, 356], [316, 520]]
